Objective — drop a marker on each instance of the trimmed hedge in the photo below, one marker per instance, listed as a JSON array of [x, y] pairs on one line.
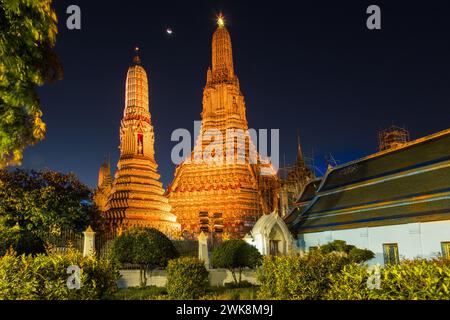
[[418, 279], [187, 278], [44, 277], [299, 277]]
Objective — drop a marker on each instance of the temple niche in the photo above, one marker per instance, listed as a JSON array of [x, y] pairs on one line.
[[135, 198], [237, 192]]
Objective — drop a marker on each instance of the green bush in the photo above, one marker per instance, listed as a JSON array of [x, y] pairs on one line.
[[299, 277], [148, 248], [19, 240], [355, 254], [418, 279], [187, 278], [44, 277], [235, 255]]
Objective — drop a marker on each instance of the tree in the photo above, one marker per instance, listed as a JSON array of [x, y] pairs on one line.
[[27, 37], [355, 254], [235, 255], [19, 240], [43, 204], [147, 247]]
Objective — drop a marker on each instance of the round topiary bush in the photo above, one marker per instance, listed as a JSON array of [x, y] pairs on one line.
[[187, 278], [235, 255], [149, 248]]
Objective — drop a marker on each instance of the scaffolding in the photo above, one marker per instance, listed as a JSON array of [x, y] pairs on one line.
[[392, 137]]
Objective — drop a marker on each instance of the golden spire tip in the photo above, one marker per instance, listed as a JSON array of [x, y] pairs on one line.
[[220, 20]]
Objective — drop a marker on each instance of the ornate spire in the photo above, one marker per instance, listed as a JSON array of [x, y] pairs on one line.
[[222, 53], [104, 174], [199, 187], [137, 85], [136, 197], [299, 149]]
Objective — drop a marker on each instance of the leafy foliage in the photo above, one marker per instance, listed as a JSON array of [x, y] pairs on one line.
[[299, 277], [235, 255], [28, 34], [355, 254], [418, 279], [187, 278], [20, 241], [147, 247], [44, 277], [41, 204]]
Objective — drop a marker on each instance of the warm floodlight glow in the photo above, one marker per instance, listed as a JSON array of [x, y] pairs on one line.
[[220, 21]]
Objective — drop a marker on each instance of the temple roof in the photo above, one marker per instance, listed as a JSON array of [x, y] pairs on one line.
[[402, 185], [308, 193]]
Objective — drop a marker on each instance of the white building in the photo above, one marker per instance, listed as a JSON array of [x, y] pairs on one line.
[[395, 203]]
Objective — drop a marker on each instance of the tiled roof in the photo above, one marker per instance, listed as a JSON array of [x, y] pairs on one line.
[[408, 184]]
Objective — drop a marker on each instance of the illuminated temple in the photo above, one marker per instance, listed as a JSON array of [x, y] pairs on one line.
[[135, 198], [222, 196]]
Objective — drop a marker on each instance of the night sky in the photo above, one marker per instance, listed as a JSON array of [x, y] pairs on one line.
[[311, 66]]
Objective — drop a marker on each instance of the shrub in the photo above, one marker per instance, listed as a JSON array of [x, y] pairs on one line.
[[149, 248], [187, 278], [350, 284], [355, 254], [235, 255], [44, 277], [299, 277], [21, 241], [418, 279]]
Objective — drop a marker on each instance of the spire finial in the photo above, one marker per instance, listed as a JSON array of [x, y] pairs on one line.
[[137, 58], [220, 20], [299, 147]]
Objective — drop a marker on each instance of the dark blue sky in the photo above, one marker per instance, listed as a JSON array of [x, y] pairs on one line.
[[307, 65]]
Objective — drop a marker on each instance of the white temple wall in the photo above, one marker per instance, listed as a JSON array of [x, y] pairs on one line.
[[414, 239]]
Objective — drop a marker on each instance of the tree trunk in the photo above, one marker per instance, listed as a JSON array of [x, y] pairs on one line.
[[233, 273], [143, 276], [240, 275]]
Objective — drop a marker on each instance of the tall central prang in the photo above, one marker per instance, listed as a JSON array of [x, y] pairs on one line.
[[226, 197]]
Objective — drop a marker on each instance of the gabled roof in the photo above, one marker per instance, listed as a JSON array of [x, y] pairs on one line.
[[403, 185], [308, 194]]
